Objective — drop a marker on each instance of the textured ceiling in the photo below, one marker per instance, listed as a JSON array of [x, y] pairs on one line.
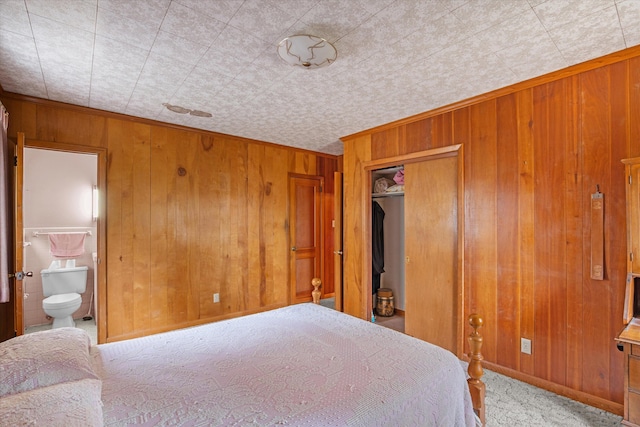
[[395, 58]]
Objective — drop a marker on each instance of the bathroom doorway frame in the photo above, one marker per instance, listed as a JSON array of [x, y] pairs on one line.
[[101, 157]]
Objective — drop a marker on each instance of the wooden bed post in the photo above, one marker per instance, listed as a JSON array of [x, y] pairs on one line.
[[315, 294], [476, 386]]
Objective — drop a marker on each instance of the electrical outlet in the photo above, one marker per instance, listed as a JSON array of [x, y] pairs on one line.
[[525, 345], [216, 297]]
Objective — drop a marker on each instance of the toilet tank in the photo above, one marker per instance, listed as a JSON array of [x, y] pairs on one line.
[[64, 280]]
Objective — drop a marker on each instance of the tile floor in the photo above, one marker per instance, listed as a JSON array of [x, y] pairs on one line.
[[87, 325]]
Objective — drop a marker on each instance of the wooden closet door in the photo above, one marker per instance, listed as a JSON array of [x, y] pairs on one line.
[[431, 242]]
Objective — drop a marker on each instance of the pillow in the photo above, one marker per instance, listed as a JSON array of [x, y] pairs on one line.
[[44, 358], [69, 404]]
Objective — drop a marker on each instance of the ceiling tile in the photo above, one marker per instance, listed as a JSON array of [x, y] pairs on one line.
[[79, 14], [14, 17], [263, 19], [337, 15], [191, 25], [117, 58], [518, 57], [591, 35], [175, 47], [222, 10], [148, 12], [554, 14], [20, 70], [629, 11], [479, 15], [117, 25], [524, 28]]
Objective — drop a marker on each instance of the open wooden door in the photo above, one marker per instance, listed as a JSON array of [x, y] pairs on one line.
[[8, 309], [305, 235], [431, 250], [18, 254], [337, 239]]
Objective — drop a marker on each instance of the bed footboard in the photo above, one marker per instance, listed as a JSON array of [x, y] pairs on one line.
[[315, 294], [476, 386]]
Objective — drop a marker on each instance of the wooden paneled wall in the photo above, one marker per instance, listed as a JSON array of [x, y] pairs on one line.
[[533, 155], [189, 214]]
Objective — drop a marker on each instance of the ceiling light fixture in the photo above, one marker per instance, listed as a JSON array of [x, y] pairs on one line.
[[307, 51], [182, 110]]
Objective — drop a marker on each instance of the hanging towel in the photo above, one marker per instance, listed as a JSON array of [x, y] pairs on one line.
[[66, 245]]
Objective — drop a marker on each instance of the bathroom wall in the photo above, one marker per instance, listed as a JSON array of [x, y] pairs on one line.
[[57, 197]]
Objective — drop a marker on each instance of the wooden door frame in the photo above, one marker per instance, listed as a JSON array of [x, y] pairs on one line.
[[101, 225], [420, 156], [338, 233], [291, 259]]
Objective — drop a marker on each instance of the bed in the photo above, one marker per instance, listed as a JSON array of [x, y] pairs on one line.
[[299, 365]]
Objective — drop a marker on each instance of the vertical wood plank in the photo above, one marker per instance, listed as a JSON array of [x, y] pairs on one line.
[[480, 217], [633, 111], [573, 224], [526, 226], [442, 130], [549, 246], [121, 214], [508, 284], [596, 139], [615, 202], [387, 143], [159, 298], [418, 136], [139, 153]]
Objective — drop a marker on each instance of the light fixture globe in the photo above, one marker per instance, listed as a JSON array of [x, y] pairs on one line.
[[307, 51]]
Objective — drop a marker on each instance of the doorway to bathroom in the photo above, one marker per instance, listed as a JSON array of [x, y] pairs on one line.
[[60, 196]]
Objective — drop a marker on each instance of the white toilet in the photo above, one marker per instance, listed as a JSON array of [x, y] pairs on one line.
[[62, 288]]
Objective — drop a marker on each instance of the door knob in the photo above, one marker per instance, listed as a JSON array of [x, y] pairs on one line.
[[293, 248], [19, 275], [337, 252]]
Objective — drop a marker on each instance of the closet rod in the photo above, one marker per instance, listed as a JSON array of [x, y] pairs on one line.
[[39, 233]]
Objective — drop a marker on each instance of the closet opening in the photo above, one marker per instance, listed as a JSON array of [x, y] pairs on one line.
[[387, 241], [422, 242]]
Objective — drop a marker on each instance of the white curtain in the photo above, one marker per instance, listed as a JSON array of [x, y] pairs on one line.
[[5, 205]]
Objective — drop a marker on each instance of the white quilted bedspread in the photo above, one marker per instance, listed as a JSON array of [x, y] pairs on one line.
[[303, 365]]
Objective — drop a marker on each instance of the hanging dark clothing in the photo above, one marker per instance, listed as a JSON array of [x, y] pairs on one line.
[[377, 245]]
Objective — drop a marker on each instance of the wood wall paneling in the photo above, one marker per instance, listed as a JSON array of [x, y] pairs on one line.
[[188, 214], [75, 127], [533, 156]]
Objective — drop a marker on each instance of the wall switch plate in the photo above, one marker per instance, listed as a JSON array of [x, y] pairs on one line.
[[525, 345], [216, 297]]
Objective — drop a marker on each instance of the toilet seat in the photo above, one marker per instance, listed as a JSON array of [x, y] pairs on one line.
[[61, 301]]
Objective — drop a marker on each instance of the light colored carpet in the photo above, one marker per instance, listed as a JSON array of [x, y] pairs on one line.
[[514, 403]]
